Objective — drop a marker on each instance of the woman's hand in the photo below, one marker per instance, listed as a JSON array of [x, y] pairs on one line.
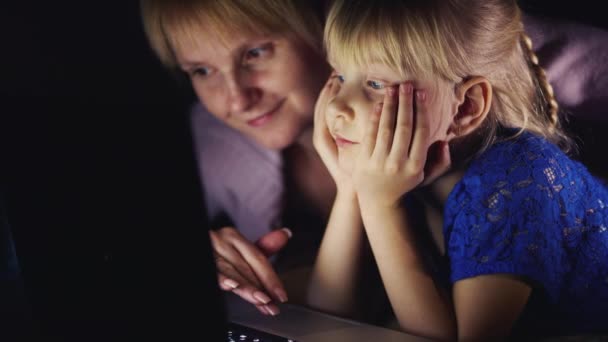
[[324, 143], [393, 156], [244, 269]]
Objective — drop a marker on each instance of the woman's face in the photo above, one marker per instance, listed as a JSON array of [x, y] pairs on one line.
[[360, 89], [264, 86]]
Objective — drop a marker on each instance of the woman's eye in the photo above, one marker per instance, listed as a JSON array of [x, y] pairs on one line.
[[257, 52], [375, 85], [201, 72], [340, 78]]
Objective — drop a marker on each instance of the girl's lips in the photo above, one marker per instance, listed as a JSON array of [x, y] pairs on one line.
[[264, 118], [341, 142]]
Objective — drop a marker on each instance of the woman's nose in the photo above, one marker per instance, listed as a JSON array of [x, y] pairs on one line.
[[243, 95]]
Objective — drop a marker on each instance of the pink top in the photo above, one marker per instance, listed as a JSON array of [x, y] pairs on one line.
[[241, 179]]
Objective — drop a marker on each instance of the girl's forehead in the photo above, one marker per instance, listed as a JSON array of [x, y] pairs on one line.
[[373, 69]]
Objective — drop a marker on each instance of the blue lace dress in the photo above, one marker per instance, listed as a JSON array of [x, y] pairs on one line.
[[524, 208]]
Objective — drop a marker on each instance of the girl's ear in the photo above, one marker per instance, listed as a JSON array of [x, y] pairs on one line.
[[474, 101]]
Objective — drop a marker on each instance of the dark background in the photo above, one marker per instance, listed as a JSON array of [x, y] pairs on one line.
[[97, 172], [96, 163]]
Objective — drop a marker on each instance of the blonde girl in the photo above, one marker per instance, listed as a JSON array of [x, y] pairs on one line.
[[439, 122]]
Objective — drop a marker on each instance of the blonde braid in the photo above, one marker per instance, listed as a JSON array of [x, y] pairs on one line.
[[547, 89]]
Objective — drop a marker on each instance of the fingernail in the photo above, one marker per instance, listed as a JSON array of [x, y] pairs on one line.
[[288, 232], [390, 91], [281, 294], [229, 282], [421, 95], [262, 297], [264, 310], [407, 88], [272, 311]]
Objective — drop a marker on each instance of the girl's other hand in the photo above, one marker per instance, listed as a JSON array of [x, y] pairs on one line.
[[393, 157], [323, 142], [243, 268]]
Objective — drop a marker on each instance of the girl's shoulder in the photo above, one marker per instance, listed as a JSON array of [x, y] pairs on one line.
[[524, 159], [523, 173]]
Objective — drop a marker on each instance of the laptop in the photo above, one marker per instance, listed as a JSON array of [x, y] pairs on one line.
[[114, 245], [297, 323]]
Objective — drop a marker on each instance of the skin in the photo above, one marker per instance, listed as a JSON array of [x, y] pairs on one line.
[[265, 87], [389, 157], [248, 76]]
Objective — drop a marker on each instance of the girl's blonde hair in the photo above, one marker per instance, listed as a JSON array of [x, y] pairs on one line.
[[169, 24], [454, 40]]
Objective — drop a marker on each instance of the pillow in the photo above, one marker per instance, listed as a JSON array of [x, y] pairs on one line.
[[575, 57]]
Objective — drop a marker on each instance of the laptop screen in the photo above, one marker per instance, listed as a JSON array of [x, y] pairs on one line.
[[110, 239]]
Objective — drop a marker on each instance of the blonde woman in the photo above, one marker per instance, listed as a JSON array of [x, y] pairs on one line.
[[257, 68], [443, 137]]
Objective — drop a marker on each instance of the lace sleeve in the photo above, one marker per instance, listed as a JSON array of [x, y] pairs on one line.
[[530, 212]]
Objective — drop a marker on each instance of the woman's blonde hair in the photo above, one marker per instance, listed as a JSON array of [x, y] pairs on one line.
[[169, 24], [453, 40]]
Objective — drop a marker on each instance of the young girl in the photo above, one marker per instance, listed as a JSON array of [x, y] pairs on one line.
[[438, 110]]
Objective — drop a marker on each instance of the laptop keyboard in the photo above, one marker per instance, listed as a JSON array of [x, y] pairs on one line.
[[240, 333]]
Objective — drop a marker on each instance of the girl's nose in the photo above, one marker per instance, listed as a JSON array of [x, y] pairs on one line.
[[338, 108]]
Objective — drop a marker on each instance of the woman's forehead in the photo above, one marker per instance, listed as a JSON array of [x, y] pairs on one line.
[[201, 40]]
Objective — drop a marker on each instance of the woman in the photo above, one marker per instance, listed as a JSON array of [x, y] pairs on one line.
[[257, 68]]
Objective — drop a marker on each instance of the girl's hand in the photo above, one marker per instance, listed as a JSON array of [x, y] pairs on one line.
[[243, 268], [322, 140], [393, 156]]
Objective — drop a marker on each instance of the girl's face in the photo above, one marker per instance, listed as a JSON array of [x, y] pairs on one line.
[[361, 89], [263, 86]]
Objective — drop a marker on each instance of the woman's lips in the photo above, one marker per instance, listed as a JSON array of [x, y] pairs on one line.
[[264, 118], [341, 142]]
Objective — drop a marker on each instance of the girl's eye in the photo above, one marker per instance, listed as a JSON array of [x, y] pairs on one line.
[[375, 85], [340, 78]]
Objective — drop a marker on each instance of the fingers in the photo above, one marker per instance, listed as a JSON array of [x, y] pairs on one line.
[[404, 127], [274, 241], [264, 271], [386, 126], [241, 287], [247, 292], [269, 309], [239, 262], [371, 132], [419, 148], [224, 246], [228, 279]]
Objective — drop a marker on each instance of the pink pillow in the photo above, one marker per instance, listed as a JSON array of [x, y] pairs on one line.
[[575, 57]]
